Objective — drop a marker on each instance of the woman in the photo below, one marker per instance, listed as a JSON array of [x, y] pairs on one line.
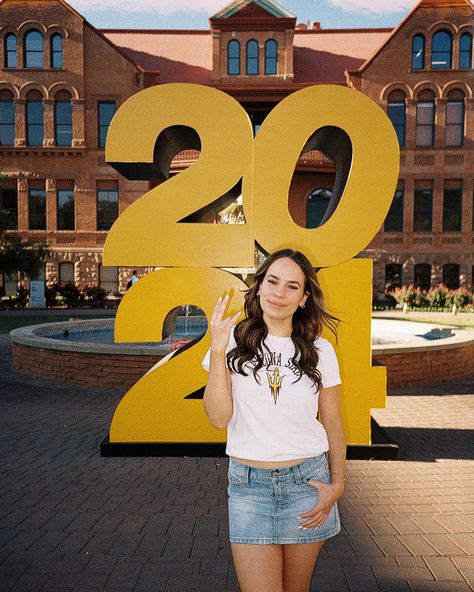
[[267, 375]]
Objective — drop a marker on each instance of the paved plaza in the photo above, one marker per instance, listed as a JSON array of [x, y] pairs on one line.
[[71, 521]]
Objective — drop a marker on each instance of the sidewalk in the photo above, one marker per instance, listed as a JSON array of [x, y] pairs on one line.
[[71, 521]]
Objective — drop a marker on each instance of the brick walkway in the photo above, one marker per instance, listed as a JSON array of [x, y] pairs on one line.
[[71, 521]]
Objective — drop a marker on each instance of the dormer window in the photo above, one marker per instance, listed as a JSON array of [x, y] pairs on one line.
[[252, 58], [233, 58]]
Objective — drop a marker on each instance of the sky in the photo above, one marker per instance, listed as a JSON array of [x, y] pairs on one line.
[[194, 14]]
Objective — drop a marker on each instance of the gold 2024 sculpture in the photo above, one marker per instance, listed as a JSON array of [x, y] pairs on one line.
[[159, 229]]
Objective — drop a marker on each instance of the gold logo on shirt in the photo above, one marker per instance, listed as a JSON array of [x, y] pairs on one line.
[[274, 382]]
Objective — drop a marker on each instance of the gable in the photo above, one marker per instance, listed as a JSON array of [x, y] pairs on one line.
[[253, 8]]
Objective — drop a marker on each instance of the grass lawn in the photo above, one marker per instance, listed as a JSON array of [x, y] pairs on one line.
[[9, 323], [454, 321]]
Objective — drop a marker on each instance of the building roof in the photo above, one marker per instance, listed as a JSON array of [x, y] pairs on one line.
[[321, 56]]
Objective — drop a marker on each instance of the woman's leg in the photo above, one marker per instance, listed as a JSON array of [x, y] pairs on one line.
[[298, 565], [258, 567]]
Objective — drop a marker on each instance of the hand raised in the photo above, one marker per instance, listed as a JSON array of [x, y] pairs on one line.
[[220, 327]]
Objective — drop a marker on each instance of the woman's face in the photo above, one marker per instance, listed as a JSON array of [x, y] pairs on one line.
[[282, 289]]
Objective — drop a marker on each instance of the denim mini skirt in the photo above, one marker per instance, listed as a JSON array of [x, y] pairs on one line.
[[264, 504]]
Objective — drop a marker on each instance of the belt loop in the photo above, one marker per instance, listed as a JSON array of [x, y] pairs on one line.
[[297, 475], [247, 475]]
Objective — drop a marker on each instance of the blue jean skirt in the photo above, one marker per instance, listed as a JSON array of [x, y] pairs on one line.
[[264, 503]]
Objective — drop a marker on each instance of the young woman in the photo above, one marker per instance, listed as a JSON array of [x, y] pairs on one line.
[[270, 376]]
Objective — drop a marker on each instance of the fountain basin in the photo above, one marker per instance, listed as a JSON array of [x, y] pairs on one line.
[[414, 353]]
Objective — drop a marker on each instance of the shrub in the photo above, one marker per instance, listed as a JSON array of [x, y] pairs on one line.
[[414, 297], [436, 298], [70, 294], [439, 297], [96, 295]]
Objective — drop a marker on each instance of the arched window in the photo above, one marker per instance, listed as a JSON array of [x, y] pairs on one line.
[[66, 272], [451, 273], [418, 52], [454, 132], [56, 51], [7, 119], [422, 276], [465, 51], [316, 206], [441, 50], [233, 58], [34, 119], [10, 51], [63, 119], [425, 119], [34, 49], [271, 56], [252, 57], [393, 276], [396, 111]]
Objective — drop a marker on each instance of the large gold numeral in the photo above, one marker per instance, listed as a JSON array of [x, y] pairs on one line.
[[367, 147], [149, 231], [341, 122], [155, 408]]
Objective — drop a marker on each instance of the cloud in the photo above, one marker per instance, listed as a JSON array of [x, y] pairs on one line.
[[374, 6], [162, 7]]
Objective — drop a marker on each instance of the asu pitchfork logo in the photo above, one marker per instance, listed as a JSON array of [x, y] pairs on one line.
[[274, 382]]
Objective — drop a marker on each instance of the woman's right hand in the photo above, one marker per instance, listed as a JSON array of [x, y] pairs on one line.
[[221, 327]]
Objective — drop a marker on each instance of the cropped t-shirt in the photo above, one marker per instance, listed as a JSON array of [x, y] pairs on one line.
[[276, 419]]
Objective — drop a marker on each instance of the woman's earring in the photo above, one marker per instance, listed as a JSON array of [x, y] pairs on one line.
[[302, 305]]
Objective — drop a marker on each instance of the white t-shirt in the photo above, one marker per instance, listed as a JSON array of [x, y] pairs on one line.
[[276, 420]]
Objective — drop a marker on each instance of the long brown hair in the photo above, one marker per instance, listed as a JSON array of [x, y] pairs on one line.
[[308, 323]]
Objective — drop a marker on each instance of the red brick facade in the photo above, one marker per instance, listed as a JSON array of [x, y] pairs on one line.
[[110, 66]]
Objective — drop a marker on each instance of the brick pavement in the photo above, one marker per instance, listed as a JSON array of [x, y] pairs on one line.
[[71, 521]]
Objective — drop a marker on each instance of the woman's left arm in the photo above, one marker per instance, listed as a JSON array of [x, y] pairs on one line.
[[330, 417]]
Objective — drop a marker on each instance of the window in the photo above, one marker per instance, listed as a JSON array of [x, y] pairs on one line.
[[233, 58], [454, 132], [316, 207], [37, 209], [108, 278], [418, 53], [422, 276], [396, 112], [425, 122], [34, 49], [452, 209], [252, 57], [465, 51], [10, 51], [65, 209], [107, 208], [9, 204], [271, 56], [441, 50], [7, 120], [451, 272], [63, 122], [56, 51], [106, 112], [34, 121], [66, 272], [393, 276], [394, 219], [423, 210]]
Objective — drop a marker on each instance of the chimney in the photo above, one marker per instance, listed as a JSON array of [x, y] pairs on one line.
[[316, 26]]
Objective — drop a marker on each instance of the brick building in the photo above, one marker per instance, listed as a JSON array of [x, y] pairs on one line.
[[62, 80]]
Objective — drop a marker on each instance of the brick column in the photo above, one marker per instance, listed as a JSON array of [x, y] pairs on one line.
[[410, 128], [51, 209], [78, 123], [48, 136], [20, 122], [22, 188], [438, 191], [440, 123]]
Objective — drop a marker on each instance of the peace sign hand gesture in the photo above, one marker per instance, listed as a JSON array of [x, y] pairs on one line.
[[220, 327]]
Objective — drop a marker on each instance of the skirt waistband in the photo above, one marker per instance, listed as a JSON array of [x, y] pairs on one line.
[[298, 473]]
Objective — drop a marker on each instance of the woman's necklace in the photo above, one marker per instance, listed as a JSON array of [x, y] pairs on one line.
[[279, 349]]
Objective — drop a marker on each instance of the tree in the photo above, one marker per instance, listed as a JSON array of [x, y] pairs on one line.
[[19, 256]]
